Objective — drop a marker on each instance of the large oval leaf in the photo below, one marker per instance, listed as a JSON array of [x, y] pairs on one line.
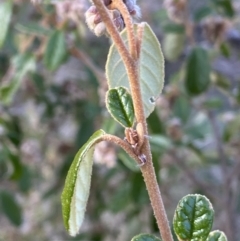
[[145, 237], [151, 67], [120, 106], [56, 50], [193, 218], [217, 236], [198, 71], [76, 190], [5, 17]]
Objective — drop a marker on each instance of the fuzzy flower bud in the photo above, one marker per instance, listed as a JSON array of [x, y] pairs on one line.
[[95, 24]]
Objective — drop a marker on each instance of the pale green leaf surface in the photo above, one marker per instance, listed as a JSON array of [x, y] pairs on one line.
[[120, 106], [151, 68], [173, 44], [217, 236], [145, 237], [5, 17], [193, 218], [76, 190]]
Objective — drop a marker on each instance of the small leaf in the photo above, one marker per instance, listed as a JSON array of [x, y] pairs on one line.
[[217, 236], [56, 51], [182, 108], [120, 106], [5, 17], [76, 190], [193, 218], [173, 45], [10, 207], [145, 237], [198, 71], [201, 13], [33, 29], [151, 67]]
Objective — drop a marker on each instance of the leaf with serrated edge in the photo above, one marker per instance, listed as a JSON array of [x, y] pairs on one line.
[[76, 190], [151, 67], [217, 236], [193, 218], [145, 237], [120, 106]]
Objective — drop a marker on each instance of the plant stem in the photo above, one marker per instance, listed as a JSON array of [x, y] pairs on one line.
[[131, 65], [132, 41]]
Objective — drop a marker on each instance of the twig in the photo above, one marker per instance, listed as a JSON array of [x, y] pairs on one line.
[[147, 170], [129, 27]]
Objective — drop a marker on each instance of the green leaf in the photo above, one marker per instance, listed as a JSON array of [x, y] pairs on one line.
[[217, 236], [56, 50], [182, 108], [120, 106], [33, 29], [76, 190], [173, 45], [151, 67], [128, 161], [198, 71], [173, 28], [22, 65], [145, 237], [193, 218], [10, 208], [5, 17], [224, 7], [201, 13], [160, 143]]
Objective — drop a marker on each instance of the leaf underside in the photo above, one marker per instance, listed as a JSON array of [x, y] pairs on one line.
[[151, 67], [76, 190]]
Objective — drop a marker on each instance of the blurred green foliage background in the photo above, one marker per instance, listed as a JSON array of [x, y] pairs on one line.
[[52, 92]]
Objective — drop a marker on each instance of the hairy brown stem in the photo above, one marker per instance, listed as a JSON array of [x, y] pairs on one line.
[[132, 70], [123, 144], [132, 41]]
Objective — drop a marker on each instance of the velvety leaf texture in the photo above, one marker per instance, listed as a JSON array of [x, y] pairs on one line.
[[151, 67], [76, 190], [217, 236], [120, 106], [145, 237], [193, 218], [198, 71]]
